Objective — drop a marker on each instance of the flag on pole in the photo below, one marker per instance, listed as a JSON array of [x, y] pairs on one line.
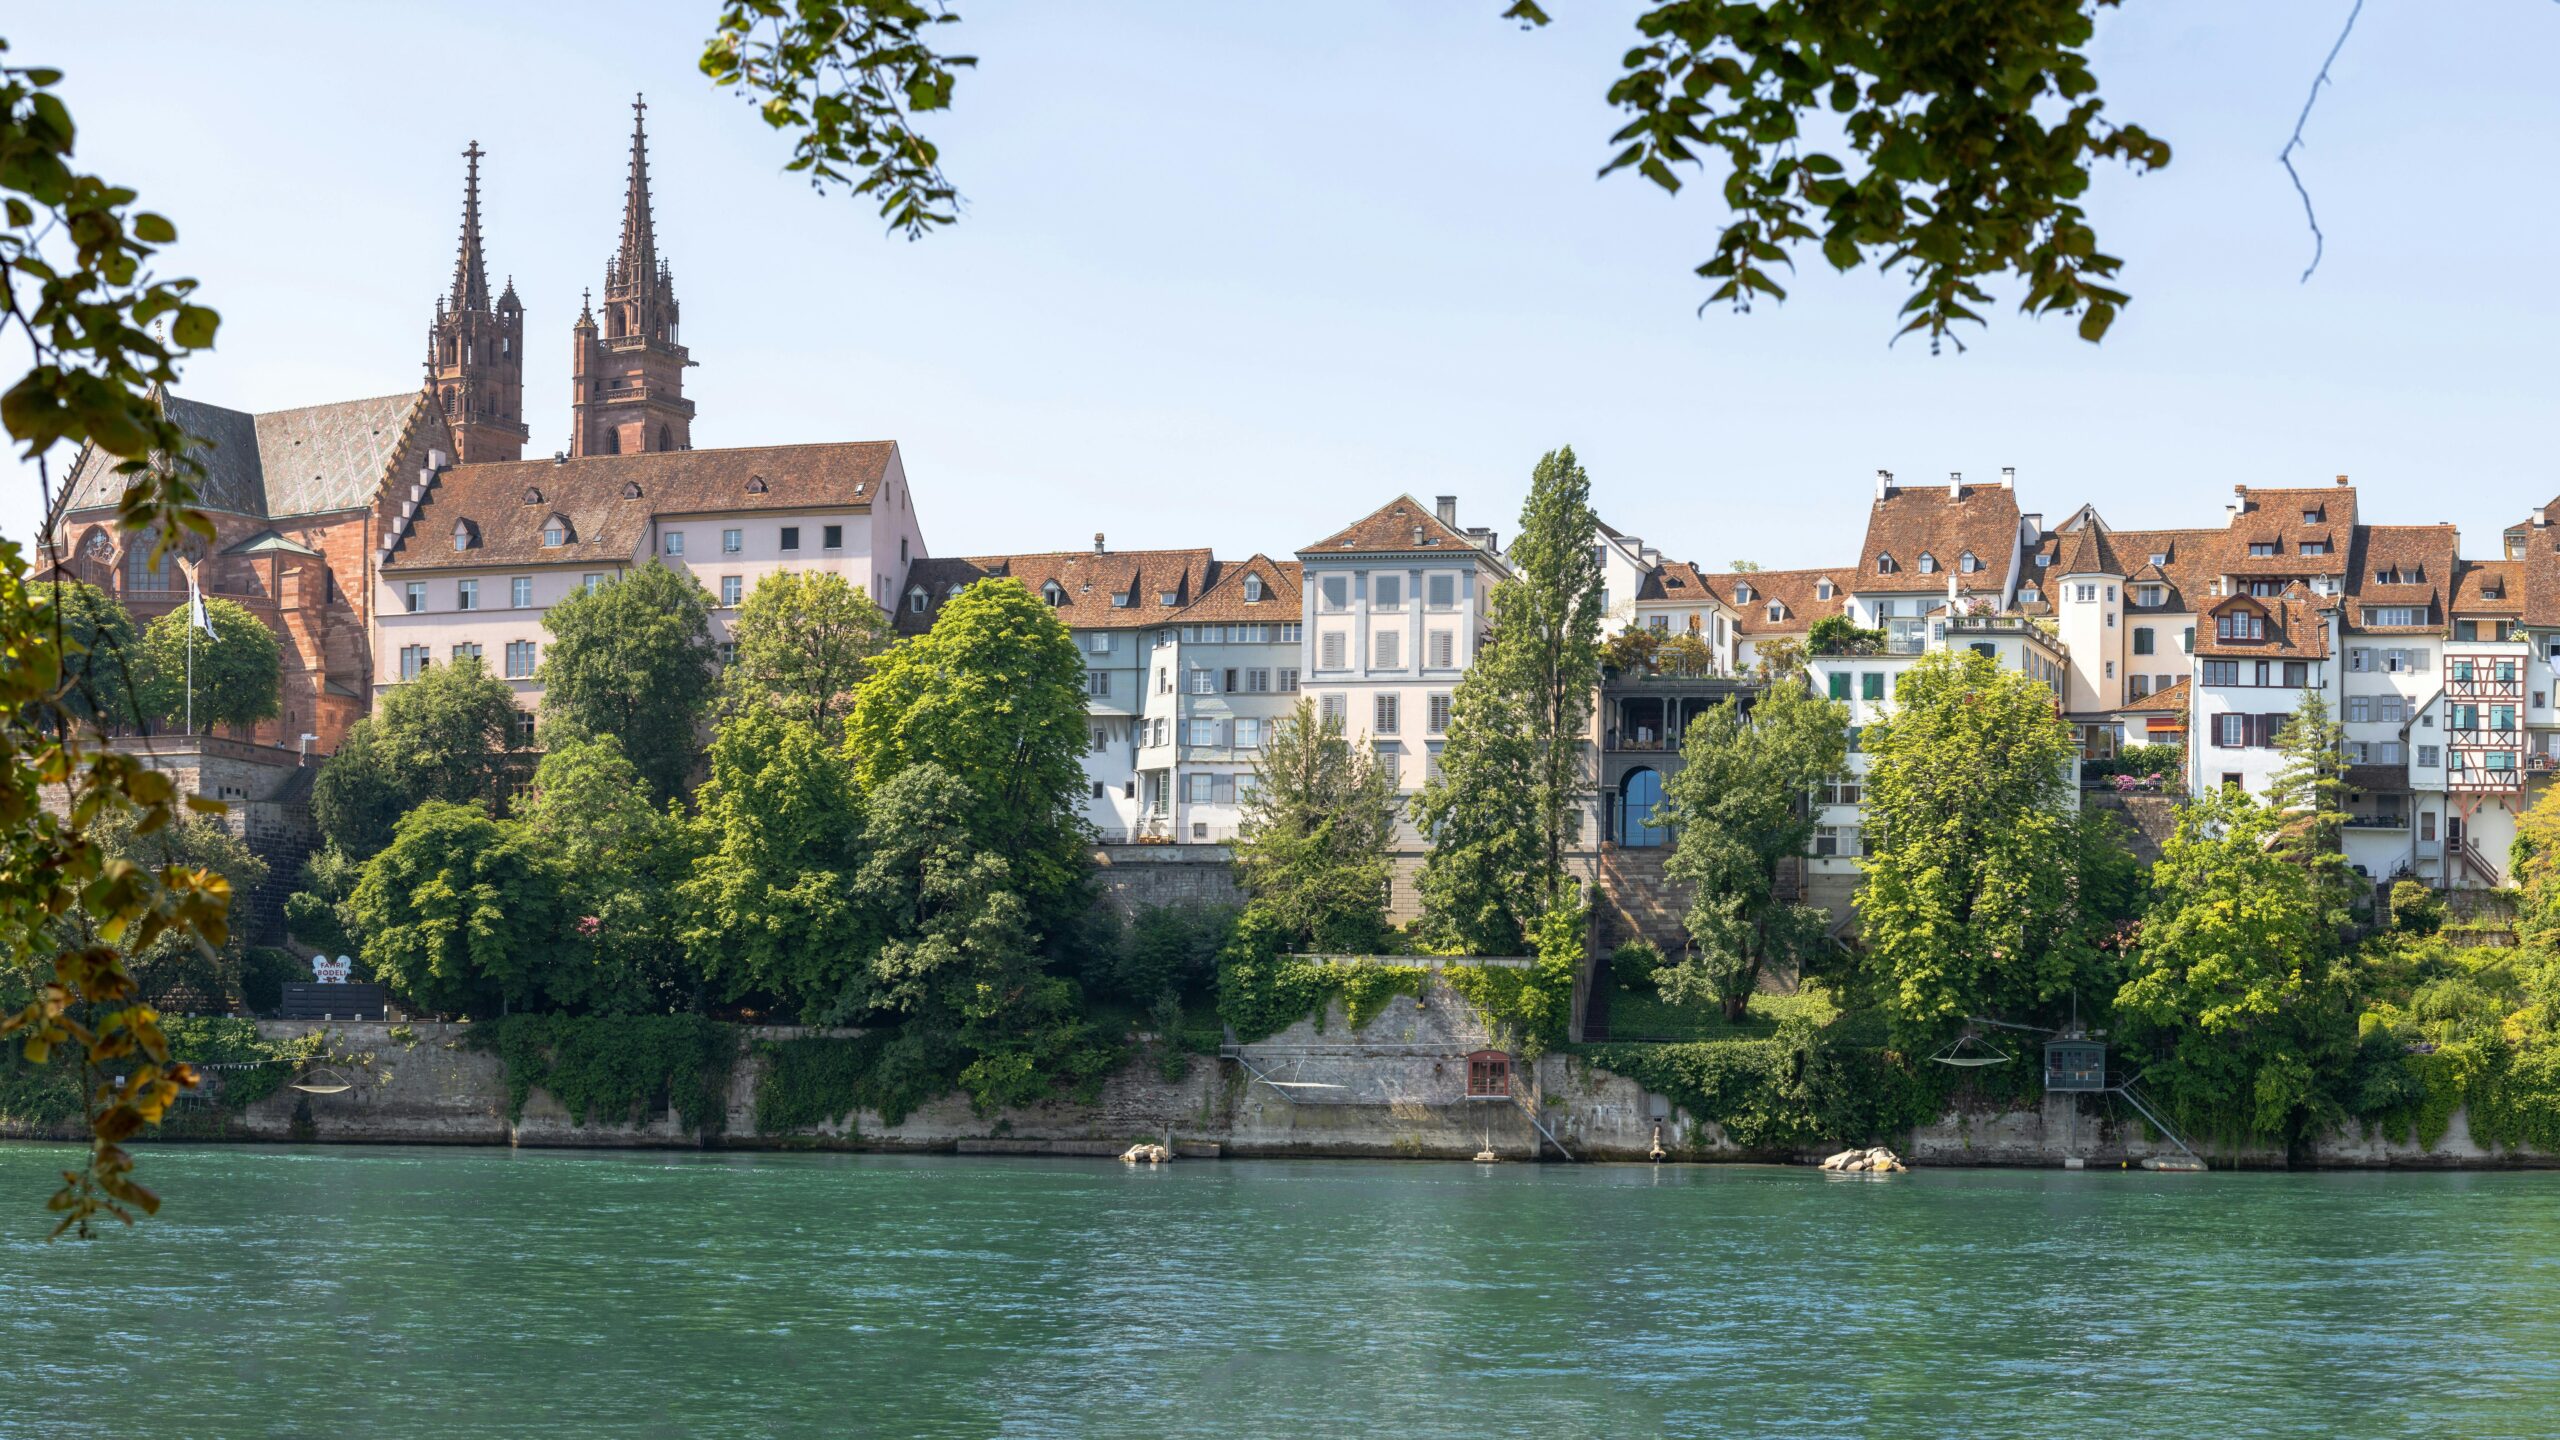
[[195, 608]]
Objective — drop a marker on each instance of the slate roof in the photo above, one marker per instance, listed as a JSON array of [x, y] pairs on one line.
[[1794, 589], [1915, 519], [310, 461], [609, 500]]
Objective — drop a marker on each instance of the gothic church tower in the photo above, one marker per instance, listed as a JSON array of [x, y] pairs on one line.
[[475, 348], [627, 378]]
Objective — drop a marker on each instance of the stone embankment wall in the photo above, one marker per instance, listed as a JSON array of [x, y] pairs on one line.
[[1134, 877], [1396, 1087]]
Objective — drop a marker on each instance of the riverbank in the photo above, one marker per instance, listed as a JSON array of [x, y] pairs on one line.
[[1396, 1087]]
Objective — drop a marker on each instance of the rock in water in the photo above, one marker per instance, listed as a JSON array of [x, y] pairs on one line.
[[1150, 1153], [1877, 1161]]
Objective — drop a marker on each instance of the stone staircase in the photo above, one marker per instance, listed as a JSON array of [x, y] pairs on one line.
[[1637, 901]]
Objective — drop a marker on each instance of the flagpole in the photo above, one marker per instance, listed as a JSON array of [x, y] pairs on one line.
[[191, 655]]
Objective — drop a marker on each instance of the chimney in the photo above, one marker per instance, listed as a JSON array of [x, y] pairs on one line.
[[1097, 542], [1447, 508], [1417, 534], [1955, 484], [1884, 484], [438, 460], [2008, 477]]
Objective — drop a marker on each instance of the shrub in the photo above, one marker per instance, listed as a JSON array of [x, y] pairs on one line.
[[1633, 964], [2416, 908]]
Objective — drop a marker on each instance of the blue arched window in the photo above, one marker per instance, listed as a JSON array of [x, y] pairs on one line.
[[1638, 794]]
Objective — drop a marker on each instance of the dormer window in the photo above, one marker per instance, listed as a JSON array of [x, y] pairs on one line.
[[556, 532], [2316, 515], [1822, 590], [1777, 610], [755, 485], [917, 599], [2314, 547], [2264, 548], [464, 536], [533, 495], [1054, 593], [1120, 599], [1252, 588], [1166, 597], [1742, 593], [2029, 594], [1967, 563], [1928, 563], [1886, 565], [2044, 560], [2160, 557]]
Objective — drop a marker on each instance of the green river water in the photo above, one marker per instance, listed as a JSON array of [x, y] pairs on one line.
[[389, 1293]]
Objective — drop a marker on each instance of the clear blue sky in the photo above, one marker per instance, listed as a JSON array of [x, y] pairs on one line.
[[1231, 275]]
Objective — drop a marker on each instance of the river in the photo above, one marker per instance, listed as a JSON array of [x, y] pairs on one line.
[[392, 1293]]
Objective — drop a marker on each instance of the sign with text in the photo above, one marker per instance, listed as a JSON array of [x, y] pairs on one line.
[[332, 972]]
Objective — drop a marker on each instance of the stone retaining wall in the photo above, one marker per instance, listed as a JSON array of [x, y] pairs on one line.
[[1397, 1087]]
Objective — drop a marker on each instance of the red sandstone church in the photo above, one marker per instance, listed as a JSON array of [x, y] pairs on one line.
[[320, 513]]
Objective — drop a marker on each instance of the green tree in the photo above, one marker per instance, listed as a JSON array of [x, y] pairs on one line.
[[802, 644], [1973, 901], [102, 656], [442, 736], [634, 660], [768, 903], [177, 965], [1480, 813], [994, 694], [620, 860], [1840, 635], [461, 914], [2235, 996], [234, 668], [1521, 717], [1741, 807], [1965, 139], [2309, 792], [1312, 849], [959, 958]]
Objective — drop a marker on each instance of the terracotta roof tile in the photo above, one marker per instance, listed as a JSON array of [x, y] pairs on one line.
[[2286, 519], [1402, 524], [2403, 565], [2173, 699], [609, 500], [1796, 591], [1087, 585], [2490, 587], [1225, 602], [2296, 627], [1919, 519]]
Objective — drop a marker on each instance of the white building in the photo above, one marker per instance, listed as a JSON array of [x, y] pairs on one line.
[[1394, 608], [476, 555]]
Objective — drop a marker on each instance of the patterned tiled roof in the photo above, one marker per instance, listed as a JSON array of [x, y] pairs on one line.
[[310, 461], [609, 500], [1916, 520]]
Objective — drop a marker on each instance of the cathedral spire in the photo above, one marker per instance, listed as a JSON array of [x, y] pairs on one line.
[[470, 272], [638, 258], [627, 374], [475, 349]]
